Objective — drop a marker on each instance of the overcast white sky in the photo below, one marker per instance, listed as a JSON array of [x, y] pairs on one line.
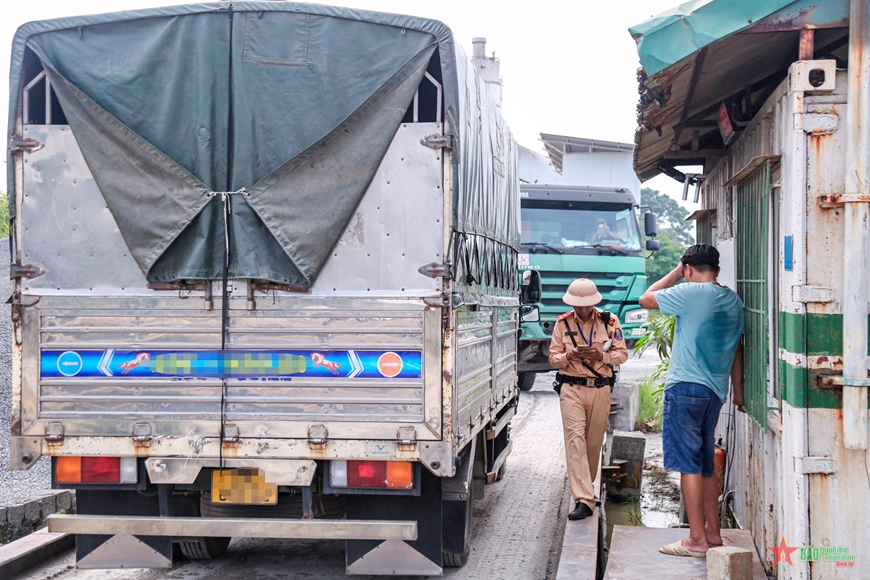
[[569, 68]]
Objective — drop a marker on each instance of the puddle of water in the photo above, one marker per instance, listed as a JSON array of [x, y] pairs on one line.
[[659, 504]]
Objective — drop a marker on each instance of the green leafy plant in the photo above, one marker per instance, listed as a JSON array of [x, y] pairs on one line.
[[4, 216], [660, 333], [649, 408]]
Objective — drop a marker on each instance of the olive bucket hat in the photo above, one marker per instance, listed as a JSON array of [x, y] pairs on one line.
[[582, 292]]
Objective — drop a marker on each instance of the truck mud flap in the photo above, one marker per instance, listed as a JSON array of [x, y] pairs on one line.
[[121, 550], [421, 557]]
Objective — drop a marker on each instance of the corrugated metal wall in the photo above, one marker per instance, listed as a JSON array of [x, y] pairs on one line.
[[753, 454]]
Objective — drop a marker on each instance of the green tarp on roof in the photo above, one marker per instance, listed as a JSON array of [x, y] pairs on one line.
[[679, 32], [288, 106]]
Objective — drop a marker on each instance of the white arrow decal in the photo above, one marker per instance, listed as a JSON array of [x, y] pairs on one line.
[[105, 362], [355, 363]]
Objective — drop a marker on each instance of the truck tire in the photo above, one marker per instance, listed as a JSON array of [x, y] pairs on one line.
[[289, 507], [501, 471], [459, 559], [526, 381], [204, 548]]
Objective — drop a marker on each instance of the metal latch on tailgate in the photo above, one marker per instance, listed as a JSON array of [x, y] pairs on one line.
[[407, 437], [54, 432], [231, 433], [437, 141], [142, 435], [317, 435], [18, 144], [28, 271]]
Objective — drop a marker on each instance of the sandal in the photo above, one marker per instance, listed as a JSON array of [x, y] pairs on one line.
[[678, 549]]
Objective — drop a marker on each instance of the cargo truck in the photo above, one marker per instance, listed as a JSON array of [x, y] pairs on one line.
[[265, 281], [576, 231]]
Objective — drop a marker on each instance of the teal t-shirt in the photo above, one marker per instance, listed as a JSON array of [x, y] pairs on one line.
[[708, 329]]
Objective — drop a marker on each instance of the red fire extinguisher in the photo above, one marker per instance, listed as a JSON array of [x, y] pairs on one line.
[[719, 457]]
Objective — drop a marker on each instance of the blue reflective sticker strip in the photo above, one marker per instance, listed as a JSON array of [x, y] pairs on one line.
[[788, 253], [231, 364]]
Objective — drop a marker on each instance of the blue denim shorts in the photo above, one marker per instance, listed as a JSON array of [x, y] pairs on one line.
[[688, 428]]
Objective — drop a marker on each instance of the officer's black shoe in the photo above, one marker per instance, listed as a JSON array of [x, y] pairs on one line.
[[581, 510]]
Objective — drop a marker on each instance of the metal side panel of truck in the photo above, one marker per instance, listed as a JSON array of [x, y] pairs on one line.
[[262, 288]]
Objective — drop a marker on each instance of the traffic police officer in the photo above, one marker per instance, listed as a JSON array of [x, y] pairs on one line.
[[586, 342]]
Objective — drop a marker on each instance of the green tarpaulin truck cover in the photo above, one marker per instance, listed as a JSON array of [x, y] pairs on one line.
[[283, 109]]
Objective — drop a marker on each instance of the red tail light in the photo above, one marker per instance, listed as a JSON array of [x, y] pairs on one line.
[[366, 474], [96, 470], [101, 469]]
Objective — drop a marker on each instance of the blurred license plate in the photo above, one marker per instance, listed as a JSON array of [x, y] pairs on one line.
[[242, 486], [638, 331]]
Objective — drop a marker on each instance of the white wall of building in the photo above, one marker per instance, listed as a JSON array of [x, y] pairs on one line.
[[601, 169]]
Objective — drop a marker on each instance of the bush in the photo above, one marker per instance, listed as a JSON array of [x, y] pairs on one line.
[[661, 333], [4, 216], [649, 408]]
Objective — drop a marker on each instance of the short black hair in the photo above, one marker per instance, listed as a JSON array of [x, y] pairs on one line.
[[702, 257]]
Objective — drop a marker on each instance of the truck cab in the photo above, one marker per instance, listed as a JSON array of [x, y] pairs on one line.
[[570, 232]]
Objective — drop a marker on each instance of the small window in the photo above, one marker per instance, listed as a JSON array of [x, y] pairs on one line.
[[40, 105], [428, 100]]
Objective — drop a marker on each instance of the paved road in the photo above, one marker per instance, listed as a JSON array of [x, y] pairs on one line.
[[518, 526]]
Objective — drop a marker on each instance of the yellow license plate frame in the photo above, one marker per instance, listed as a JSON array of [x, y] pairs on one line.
[[242, 486]]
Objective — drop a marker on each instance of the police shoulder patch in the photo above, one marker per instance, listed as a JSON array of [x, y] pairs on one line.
[[566, 315], [618, 335]]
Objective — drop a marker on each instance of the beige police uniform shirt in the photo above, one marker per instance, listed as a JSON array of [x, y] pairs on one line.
[[598, 333]]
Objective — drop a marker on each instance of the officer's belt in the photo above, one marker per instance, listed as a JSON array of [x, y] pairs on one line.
[[583, 381]]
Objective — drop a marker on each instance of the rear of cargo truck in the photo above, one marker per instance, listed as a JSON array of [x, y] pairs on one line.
[[264, 281]]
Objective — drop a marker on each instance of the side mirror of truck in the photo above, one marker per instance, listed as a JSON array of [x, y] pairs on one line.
[[652, 245], [532, 290], [530, 313], [649, 224]]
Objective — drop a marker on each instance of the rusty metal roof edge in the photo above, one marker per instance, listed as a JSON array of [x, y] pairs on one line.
[[749, 168], [790, 16], [699, 213]]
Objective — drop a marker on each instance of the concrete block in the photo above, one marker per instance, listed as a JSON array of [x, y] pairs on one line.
[[583, 533], [627, 396], [31, 510], [630, 447], [15, 515], [63, 501], [2, 515], [729, 563], [578, 563], [47, 504], [20, 555]]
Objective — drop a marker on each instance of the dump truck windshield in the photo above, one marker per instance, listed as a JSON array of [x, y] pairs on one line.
[[571, 227]]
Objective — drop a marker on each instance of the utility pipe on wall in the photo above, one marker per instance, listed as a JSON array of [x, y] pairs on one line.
[[857, 216]]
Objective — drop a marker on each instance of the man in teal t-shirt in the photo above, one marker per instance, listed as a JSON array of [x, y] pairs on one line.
[[706, 352]]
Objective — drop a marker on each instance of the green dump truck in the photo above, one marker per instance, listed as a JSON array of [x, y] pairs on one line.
[[575, 231]]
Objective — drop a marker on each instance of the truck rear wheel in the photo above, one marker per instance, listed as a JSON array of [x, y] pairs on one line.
[[204, 548], [526, 381]]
